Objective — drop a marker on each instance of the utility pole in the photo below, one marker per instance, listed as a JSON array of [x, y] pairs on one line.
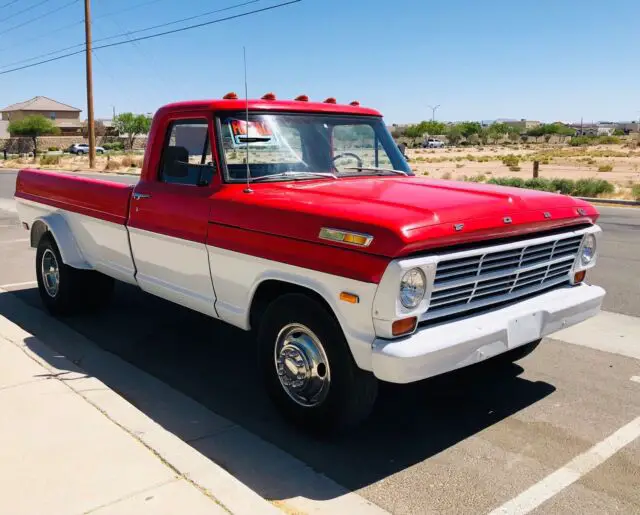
[[433, 112], [91, 122]]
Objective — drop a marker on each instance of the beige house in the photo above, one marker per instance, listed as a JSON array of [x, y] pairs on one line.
[[66, 117]]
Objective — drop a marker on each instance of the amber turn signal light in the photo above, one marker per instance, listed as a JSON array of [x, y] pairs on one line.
[[351, 298], [579, 277], [403, 326]]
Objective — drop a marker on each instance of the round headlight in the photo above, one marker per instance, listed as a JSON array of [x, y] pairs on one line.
[[588, 249], [413, 286]]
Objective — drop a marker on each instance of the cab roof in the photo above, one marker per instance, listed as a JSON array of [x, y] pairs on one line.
[[269, 105]]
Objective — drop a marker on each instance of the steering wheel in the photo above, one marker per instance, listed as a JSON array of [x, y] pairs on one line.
[[348, 154]]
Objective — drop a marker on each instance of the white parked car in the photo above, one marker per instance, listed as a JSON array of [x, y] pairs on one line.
[[433, 143], [82, 148]]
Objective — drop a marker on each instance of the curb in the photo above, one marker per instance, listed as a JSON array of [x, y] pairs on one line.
[[207, 476], [612, 201]]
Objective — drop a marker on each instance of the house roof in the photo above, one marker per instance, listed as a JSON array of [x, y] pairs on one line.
[[41, 104]]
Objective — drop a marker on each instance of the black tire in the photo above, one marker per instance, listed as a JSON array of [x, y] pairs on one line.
[[79, 152], [351, 392], [77, 290]]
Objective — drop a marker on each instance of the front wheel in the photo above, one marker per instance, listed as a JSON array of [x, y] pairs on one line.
[[307, 367]]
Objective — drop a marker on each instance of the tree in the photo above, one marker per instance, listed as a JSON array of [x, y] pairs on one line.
[[513, 134], [454, 134], [430, 127], [33, 127], [130, 125], [469, 128]]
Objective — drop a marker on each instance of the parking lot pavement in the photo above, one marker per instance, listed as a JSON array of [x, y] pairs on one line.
[[543, 435]]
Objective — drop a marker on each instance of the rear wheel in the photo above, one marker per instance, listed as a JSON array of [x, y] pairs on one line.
[[307, 367], [65, 290]]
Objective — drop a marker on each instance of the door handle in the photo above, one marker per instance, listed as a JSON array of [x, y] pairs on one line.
[[138, 196]]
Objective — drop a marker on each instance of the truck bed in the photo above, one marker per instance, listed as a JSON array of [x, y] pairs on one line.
[[97, 198]]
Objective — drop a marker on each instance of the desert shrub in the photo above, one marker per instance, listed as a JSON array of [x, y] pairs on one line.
[[446, 175], [635, 191], [581, 187], [53, 149], [564, 186], [514, 182], [579, 141], [112, 165], [609, 140], [515, 168], [117, 145], [127, 161], [49, 160], [510, 160], [458, 165], [605, 168], [477, 178], [591, 187], [538, 183]]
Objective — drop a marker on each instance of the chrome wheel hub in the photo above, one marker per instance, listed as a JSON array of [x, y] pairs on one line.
[[302, 365], [50, 273]]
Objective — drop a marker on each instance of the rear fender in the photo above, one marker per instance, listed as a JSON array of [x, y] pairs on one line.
[[59, 229]]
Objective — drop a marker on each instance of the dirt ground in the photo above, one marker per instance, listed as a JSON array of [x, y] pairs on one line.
[[555, 162]]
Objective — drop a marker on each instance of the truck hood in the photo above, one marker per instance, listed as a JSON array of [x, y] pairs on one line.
[[403, 214]]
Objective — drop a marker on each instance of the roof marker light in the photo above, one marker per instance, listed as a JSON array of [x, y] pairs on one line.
[[330, 100], [302, 98], [230, 96], [269, 96], [355, 103]]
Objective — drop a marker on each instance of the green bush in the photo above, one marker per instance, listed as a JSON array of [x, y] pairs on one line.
[[564, 186], [635, 191], [579, 188], [49, 160], [53, 149], [117, 145], [609, 140], [579, 141], [510, 160]]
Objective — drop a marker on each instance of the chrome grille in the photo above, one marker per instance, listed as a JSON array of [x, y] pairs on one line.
[[466, 283]]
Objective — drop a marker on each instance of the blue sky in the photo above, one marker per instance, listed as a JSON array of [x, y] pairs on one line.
[[544, 59]]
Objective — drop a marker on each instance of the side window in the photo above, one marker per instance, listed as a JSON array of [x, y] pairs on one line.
[[186, 157]]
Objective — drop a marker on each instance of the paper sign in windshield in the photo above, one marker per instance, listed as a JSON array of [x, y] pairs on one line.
[[257, 129]]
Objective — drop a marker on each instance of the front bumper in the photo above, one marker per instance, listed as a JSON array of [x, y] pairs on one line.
[[444, 347]]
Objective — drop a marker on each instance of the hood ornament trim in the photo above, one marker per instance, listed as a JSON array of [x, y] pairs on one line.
[[507, 220], [458, 227]]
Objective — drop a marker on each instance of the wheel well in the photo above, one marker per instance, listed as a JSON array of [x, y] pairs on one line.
[[38, 229], [270, 290]]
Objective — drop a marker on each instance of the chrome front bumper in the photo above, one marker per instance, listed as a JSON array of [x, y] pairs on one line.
[[448, 346]]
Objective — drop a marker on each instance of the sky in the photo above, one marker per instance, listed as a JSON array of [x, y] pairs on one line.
[[543, 60]]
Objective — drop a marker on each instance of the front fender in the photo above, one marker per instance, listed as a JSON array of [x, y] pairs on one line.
[[61, 232]]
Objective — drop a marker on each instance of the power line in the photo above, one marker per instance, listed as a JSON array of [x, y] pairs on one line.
[[151, 36], [127, 34], [73, 24], [31, 20], [8, 4], [24, 10]]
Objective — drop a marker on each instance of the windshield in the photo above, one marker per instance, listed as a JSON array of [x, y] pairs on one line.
[[303, 146]]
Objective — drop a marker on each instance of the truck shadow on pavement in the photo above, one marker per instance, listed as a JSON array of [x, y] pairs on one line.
[[214, 364]]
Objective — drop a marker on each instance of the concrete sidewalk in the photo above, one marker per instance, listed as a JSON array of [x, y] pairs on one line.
[[60, 454]]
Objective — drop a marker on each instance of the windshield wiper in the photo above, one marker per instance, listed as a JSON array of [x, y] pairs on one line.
[[293, 175], [375, 169]]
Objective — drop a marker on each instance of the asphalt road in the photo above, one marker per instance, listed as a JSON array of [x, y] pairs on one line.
[[461, 443]]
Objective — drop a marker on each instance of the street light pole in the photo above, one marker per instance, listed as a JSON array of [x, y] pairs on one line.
[[91, 122], [433, 112]]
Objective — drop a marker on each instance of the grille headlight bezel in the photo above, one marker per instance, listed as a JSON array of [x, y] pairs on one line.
[[588, 250], [413, 288]]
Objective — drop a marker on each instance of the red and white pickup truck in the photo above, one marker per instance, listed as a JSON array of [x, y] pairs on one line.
[[302, 221]]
